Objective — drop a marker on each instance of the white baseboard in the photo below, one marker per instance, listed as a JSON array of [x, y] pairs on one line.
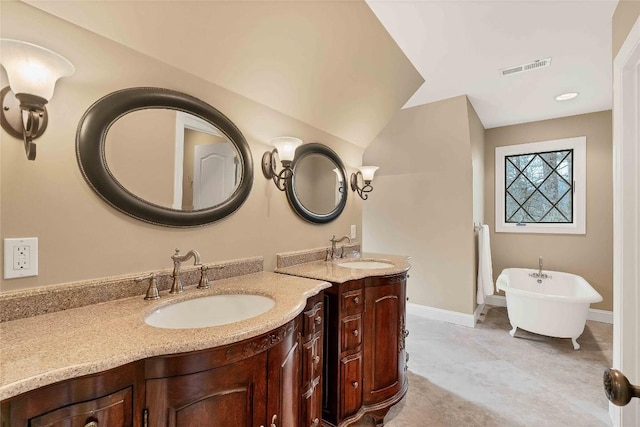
[[477, 313], [497, 300], [602, 316], [448, 316]]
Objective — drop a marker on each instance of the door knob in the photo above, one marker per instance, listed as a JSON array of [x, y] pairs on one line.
[[618, 389]]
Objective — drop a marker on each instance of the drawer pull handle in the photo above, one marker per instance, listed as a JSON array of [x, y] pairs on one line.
[[91, 424], [318, 320], [356, 300], [355, 384], [355, 333], [315, 422], [273, 421], [316, 359]]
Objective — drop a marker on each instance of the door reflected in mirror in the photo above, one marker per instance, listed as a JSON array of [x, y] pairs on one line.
[[172, 159]]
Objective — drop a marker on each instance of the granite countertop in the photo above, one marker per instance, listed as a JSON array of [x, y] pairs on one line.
[[42, 350], [332, 272]]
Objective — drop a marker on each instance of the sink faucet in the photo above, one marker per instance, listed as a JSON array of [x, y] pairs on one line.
[[333, 241], [177, 287]]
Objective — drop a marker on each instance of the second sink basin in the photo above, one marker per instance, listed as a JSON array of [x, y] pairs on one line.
[[214, 310], [365, 264]]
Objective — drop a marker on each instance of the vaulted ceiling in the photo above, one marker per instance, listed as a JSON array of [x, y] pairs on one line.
[[459, 47]]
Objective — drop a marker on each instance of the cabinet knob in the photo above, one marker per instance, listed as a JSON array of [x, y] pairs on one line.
[[273, 421], [318, 320], [91, 424], [316, 359], [355, 384], [355, 333], [315, 422], [356, 300]]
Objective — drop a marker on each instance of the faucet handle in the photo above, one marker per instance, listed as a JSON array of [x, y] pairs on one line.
[[204, 280], [152, 290]]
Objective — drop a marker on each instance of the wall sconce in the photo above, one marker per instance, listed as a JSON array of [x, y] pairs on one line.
[[285, 150], [365, 173], [32, 72]]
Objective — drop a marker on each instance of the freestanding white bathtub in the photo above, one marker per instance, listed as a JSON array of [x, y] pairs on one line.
[[556, 307]]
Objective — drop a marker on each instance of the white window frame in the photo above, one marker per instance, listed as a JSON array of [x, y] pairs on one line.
[[578, 225]]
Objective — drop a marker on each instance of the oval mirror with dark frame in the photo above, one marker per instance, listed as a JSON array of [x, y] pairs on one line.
[[317, 190], [164, 157]]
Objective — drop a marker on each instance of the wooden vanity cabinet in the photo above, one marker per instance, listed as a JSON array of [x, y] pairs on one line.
[[274, 378], [104, 399], [365, 357], [252, 383]]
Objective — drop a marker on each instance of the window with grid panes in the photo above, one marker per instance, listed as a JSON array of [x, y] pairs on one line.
[[540, 187]]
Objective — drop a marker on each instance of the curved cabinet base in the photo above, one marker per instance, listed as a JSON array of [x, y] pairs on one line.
[[376, 412]]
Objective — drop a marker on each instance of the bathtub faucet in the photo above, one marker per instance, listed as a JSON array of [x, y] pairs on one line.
[[539, 275]]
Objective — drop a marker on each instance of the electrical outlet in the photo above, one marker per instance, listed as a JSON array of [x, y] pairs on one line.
[[353, 231], [20, 257]]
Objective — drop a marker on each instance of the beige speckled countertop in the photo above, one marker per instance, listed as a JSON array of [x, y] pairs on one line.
[[41, 350], [332, 272]]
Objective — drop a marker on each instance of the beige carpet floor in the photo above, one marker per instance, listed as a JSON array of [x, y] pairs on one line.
[[482, 376]]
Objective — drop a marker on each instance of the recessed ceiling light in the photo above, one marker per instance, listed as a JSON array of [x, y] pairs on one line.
[[566, 96]]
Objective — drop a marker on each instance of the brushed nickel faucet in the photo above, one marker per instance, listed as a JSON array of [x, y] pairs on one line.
[[333, 241], [178, 259], [540, 275]]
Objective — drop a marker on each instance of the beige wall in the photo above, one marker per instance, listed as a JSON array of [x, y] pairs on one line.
[[476, 138], [327, 63], [422, 201], [80, 236], [590, 255], [625, 15]]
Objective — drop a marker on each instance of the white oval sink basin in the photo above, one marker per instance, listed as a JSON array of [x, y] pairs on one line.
[[365, 265], [214, 310]]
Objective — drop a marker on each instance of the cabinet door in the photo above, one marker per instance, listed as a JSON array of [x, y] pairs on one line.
[[384, 339], [230, 396], [284, 381], [113, 410]]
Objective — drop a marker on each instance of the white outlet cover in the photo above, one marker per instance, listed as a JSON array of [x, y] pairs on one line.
[[12, 248], [353, 231]]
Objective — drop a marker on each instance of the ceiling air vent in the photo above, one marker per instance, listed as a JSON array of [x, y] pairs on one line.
[[539, 63]]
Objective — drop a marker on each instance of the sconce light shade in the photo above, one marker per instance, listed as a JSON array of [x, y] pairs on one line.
[[368, 172], [365, 174], [32, 72], [285, 149], [286, 146], [338, 173], [32, 69]]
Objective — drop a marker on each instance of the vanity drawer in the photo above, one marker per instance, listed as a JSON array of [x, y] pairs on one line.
[[313, 317], [114, 409], [311, 361], [351, 332], [351, 385], [352, 301]]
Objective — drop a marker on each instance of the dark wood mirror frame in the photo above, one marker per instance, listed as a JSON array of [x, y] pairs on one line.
[[301, 152], [90, 152]]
